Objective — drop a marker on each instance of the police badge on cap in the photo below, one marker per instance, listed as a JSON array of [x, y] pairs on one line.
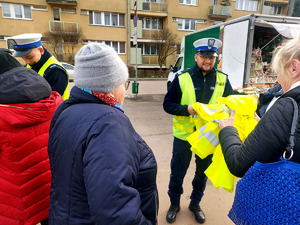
[[24, 43], [207, 46]]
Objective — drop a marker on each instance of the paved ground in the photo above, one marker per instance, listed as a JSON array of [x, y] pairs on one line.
[[155, 126]]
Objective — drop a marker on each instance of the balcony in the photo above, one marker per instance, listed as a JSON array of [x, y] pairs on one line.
[[219, 11], [142, 33], [155, 7], [150, 60], [143, 61], [150, 6], [63, 28], [62, 2]]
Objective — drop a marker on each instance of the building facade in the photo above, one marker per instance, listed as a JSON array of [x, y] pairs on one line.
[[68, 24]]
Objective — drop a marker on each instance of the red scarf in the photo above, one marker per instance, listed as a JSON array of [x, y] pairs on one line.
[[106, 98]]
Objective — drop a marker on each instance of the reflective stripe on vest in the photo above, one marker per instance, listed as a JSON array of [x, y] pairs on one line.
[[184, 126], [219, 88], [50, 61]]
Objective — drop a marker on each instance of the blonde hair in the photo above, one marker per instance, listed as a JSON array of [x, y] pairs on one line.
[[283, 56]]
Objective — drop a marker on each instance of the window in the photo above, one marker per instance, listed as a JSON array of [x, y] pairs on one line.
[[275, 9], [97, 18], [107, 19], [178, 49], [68, 10], [114, 19], [158, 1], [118, 46], [188, 2], [121, 20], [16, 11], [39, 7], [200, 21], [151, 23], [84, 12], [148, 49], [247, 5], [186, 24], [155, 24], [148, 23], [218, 22]]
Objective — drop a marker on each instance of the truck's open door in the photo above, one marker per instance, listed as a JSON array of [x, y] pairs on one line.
[[234, 51]]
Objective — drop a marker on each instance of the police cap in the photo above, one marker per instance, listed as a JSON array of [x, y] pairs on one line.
[[207, 46], [24, 43]]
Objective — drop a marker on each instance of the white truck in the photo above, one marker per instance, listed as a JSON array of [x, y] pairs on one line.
[[240, 37]]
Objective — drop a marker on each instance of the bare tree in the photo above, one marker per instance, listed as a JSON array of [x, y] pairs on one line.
[[165, 42], [54, 43], [64, 39], [71, 42]]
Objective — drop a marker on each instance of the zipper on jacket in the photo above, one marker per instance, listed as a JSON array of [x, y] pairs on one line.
[[18, 107]]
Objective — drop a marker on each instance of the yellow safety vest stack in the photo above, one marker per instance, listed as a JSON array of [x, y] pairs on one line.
[[183, 126], [53, 60], [204, 141]]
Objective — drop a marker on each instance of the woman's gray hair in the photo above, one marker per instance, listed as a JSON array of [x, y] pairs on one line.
[[283, 55]]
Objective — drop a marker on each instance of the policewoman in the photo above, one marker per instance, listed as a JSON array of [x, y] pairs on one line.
[[29, 47], [204, 84]]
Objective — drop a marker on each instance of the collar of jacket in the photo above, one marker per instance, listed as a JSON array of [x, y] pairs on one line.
[[78, 96], [293, 93], [195, 70]]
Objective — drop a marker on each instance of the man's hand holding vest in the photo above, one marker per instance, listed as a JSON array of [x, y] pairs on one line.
[[191, 110]]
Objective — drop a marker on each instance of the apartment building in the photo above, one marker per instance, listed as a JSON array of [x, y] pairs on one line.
[[63, 22]]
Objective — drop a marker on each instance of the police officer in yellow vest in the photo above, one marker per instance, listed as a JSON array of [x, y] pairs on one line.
[[29, 48], [204, 84]]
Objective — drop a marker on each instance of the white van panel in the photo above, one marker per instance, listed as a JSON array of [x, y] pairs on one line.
[[234, 52]]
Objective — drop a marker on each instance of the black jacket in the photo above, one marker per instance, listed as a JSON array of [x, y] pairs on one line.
[[267, 142], [55, 76], [204, 89]]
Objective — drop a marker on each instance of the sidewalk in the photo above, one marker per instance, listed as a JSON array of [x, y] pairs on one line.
[[155, 127]]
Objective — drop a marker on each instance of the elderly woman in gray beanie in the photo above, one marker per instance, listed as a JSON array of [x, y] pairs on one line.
[[102, 170]]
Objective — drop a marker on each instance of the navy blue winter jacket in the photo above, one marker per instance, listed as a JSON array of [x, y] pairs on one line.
[[204, 89], [102, 171]]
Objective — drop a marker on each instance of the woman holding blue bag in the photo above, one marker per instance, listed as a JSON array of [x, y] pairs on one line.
[[268, 160]]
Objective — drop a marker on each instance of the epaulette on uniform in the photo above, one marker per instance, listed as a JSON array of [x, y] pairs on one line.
[[222, 72], [54, 66], [182, 72]]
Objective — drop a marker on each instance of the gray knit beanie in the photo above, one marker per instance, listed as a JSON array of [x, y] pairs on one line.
[[99, 68]]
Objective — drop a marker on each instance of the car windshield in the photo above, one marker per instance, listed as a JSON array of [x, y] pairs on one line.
[[68, 67]]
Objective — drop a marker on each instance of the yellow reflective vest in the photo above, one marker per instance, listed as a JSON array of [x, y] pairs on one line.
[[50, 61], [204, 141], [183, 126]]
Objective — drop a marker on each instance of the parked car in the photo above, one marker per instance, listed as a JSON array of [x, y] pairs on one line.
[[70, 69]]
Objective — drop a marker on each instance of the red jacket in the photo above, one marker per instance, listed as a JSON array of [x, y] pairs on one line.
[[25, 176]]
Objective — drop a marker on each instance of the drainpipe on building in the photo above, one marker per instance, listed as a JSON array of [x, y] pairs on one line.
[[262, 6], [291, 7], [128, 35]]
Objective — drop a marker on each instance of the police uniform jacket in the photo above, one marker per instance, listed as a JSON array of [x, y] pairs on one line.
[[102, 170], [204, 89], [55, 74], [267, 142]]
